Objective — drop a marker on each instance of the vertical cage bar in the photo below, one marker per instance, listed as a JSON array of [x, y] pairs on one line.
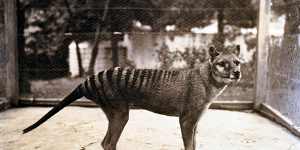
[[262, 53], [10, 21]]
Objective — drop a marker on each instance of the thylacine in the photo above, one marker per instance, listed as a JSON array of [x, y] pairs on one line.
[[186, 94]]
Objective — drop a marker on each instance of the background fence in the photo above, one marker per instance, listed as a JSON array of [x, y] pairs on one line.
[[284, 59], [66, 40]]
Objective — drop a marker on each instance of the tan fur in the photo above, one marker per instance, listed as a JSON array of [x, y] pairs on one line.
[[185, 94]]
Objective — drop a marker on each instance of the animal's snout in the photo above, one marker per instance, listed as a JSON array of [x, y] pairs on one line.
[[237, 74]]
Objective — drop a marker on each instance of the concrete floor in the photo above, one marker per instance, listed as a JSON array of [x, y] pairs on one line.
[[77, 128]]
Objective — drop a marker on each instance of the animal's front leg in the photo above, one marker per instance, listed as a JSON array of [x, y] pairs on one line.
[[188, 123], [188, 126]]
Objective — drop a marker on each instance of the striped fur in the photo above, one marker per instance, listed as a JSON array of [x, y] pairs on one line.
[[123, 83], [185, 93]]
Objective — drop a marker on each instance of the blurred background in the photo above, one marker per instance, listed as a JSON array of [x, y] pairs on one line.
[[63, 41]]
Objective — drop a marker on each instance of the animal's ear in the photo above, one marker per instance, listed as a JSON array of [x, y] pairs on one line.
[[213, 53], [237, 50]]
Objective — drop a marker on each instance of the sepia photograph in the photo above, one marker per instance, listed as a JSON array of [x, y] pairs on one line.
[[149, 74]]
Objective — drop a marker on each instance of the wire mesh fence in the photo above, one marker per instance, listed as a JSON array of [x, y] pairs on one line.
[[284, 45]]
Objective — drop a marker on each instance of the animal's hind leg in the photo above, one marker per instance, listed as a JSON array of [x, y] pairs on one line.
[[117, 116]]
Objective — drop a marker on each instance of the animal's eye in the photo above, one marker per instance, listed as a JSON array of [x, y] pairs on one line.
[[222, 63], [236, 62]]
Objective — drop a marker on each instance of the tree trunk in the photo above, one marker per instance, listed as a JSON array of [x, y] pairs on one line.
[[219, 40], [79, 59], [221, 23], [94, 52], [115, 50], [292, 23]]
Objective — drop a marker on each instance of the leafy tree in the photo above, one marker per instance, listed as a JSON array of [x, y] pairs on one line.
[[31, 39], [43, 26], [290, 9], [92, 19], [188, 14], [118, 16], [47, 23], [287, 50]]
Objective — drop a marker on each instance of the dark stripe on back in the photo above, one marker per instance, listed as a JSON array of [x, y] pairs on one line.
[[95, 89], [159, 76], [118, 82], [93, 85], [100, 78], [119, 75], [135, 77], [169, 76], [148, 77], [109, 74], [174, 75], [165, 76], [127, 76], [142, 76], [87, 89], [153, 77]]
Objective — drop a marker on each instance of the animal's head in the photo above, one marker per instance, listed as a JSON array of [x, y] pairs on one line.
[[225, 66]]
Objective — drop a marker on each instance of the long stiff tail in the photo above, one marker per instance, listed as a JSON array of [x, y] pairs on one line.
[[74, 95]]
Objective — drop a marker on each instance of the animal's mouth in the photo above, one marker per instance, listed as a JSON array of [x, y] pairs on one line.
[[235, 78], [226, 76]]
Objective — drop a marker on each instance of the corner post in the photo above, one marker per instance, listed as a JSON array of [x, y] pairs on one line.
[[10, 21], [262, 53]]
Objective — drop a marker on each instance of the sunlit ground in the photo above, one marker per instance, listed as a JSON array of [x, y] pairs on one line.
[[77, 128]]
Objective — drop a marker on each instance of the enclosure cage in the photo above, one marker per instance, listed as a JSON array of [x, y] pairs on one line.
[[49, 47]]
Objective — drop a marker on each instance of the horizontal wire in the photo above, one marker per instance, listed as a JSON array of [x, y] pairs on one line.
[[150, 9]]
